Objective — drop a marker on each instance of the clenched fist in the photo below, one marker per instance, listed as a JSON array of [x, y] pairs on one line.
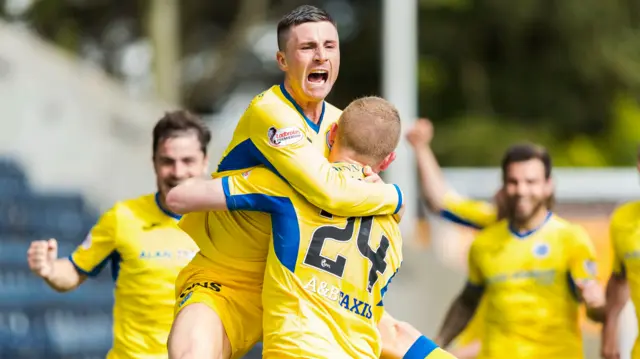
[[421, 133], [41, 256]]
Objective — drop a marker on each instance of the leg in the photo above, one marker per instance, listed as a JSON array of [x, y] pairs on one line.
[[197, 332]]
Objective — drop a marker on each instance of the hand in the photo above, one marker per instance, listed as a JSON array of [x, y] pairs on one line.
[[610, 350], [370, 176], [421, 134], [41, 256], [592, 293]]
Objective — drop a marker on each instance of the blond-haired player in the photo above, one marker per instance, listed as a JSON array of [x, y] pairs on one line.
[[326, 275]]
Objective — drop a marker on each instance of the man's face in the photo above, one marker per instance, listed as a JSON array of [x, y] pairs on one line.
[[526, 189], [177, 159], [311, 60]]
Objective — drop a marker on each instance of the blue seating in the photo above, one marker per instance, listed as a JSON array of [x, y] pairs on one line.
[[35, 321]]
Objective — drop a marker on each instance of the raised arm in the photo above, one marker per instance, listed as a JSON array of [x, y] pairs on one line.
[[438, 196], [296, 160]]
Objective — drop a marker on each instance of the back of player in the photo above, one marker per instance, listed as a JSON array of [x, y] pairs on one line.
[[325, 276]]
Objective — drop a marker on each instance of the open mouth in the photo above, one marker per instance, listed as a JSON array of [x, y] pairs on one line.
[[318, 76]]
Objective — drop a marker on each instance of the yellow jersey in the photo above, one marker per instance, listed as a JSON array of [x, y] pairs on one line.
[[529, 285], [275, 133], [625, 239], [325, 276], [146, 250]]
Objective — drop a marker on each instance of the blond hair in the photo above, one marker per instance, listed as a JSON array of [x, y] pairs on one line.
[[370, 126]]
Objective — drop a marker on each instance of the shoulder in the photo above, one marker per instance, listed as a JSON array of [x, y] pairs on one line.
[[624, 214], [131, 206], [489, 234], [268, 104], [573, 232], [331, 112]]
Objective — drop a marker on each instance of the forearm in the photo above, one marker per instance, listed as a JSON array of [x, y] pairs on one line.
[[64, 277], [432, 182], [456, 320], [596, 314], [197, 195], [617, 294]]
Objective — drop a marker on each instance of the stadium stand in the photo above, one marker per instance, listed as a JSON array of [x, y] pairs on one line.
[[36, 322]]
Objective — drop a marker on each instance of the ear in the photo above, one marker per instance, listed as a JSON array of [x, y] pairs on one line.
[[551, 186], [333, 133], [282, 61], [206, 165], [387, 161]]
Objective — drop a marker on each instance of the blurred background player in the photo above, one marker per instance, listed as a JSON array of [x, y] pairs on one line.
[[141, 241], [624, 231], [320, 266], [285, 129], [533, 267], [461, 210]]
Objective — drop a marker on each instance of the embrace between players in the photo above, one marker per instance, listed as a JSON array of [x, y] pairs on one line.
[[298, 250]]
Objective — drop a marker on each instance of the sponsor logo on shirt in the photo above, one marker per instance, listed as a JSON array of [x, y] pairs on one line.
[[284, 136]]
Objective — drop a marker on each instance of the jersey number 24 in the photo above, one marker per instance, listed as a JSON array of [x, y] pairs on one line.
[[315, 259]]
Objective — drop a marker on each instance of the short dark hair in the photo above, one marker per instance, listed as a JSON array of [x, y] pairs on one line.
[[180, 122], [525, 152], [300, 15]]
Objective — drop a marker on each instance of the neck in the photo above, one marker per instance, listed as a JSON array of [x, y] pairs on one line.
[[532, 222], [311, 109], [341, 155]]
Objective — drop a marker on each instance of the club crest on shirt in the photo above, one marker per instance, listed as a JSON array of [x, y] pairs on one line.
[[284, 136], [590, 267], [540, 250], [86, 244]]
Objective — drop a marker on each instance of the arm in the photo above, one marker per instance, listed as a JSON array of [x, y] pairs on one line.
[[197, 194], [617, 295], [309, 173], [59, 274], [459, 314]]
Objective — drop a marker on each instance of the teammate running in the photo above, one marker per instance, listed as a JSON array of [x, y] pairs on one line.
[[326, 275], [141, 240], [533, 267], [625, 277], [285, 129]]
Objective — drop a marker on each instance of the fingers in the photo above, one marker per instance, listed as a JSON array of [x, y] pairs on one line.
[[52, 244], [38, 256]]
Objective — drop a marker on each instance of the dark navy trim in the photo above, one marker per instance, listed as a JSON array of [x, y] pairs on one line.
[[475, 287], [113, 257], [399, 198], [622, 274], [451, 217], [420, 349], [244, 156], [526, 234], [164, 210], [384, 289], [313, 125], [573, 288]]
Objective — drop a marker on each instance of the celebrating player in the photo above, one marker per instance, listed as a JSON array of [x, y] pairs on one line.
[[533, 267], [625, 277], [142, 241], [326, 275], [285, 129]]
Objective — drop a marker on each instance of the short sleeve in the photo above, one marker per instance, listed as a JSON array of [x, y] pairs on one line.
[[475, 277], [93, 254], [582, 261]]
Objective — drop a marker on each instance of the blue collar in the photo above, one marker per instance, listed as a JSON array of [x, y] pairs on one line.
[[164, 210], [522, 235], [313, 125]]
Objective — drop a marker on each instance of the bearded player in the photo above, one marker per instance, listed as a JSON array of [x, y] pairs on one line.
[[286, 130], [534, 269], [142, 242], [326, 275]]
